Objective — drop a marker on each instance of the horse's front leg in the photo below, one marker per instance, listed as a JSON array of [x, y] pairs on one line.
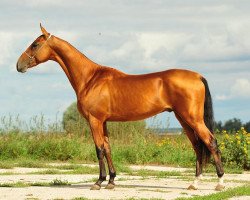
[[107, 153], [98, 137]]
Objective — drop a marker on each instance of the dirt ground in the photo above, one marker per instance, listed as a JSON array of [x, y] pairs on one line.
[[126, 186]]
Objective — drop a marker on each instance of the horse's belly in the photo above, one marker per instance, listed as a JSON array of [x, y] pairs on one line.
[[132, 112], [132, 117]]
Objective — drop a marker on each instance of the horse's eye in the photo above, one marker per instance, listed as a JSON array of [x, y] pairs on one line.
[[34, 45]]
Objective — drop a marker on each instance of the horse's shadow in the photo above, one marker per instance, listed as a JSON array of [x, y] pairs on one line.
[[88, 186]]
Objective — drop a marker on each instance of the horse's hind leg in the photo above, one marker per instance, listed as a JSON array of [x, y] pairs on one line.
[[197, 146], [199, 127], [107, 153]]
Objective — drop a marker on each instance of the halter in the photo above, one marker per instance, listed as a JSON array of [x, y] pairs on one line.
[[32, 57]]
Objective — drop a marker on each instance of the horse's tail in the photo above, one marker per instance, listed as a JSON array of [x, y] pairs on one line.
[[208, 119]]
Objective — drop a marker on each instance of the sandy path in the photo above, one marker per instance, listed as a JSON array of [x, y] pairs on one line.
[[127, 187]]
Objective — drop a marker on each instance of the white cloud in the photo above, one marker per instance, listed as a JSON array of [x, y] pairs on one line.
[[6, 41], [175, 48], [221, 97], [162, 47], [239, 90]]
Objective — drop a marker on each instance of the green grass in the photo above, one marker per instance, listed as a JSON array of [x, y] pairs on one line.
[[157, 174], [55, 182], [31, 163], [17, 184], [48, 171], [22, 162], [228, 169], [35, 148], [6, 165], [77, 169], [58, 182], [83, 170], [234, 192], [67, 167], [38, 147]]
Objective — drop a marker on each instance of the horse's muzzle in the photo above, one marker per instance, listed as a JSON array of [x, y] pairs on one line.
[[21, 69]]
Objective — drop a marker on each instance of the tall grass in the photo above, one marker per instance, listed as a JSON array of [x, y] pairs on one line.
[[36, 124], [130, 144], [63, 146], [38, 140]]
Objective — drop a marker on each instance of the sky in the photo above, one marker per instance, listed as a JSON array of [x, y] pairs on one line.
[[134, 36]]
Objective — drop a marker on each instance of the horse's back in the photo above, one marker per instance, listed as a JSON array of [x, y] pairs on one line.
[[171, 74]]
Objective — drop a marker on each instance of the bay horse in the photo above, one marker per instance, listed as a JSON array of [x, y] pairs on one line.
[[106, 94]]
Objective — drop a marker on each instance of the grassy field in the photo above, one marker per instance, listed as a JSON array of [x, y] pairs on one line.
[[174, 150], [20, 143]]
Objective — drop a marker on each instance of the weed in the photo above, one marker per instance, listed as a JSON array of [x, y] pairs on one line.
[[48, 171], [31, 163], [58, 182], [17, 184], [6, 165], [157, 174]]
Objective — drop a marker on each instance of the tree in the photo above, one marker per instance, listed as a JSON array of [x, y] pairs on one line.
[[218, 126], [247, 126], [232, 124], [73, 122]]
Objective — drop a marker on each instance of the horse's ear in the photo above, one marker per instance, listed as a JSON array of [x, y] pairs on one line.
[[44, 32]]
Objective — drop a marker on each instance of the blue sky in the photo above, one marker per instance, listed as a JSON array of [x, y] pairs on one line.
[[210, 37]]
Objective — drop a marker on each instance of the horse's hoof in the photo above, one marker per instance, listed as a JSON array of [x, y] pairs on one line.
[[192, 187], [95, 187], [219, 187], [110, 186]]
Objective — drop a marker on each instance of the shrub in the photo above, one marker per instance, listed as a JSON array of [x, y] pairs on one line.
[[73, 122], [235, 148]]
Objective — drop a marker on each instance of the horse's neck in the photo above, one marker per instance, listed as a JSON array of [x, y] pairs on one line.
[[78, 68]]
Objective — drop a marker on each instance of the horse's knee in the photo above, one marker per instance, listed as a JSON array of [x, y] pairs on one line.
[[100, 152]]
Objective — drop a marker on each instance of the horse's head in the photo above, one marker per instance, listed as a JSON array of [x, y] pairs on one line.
[[38, 52]]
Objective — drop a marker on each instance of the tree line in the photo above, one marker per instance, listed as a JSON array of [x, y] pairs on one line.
[[232, 125]]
